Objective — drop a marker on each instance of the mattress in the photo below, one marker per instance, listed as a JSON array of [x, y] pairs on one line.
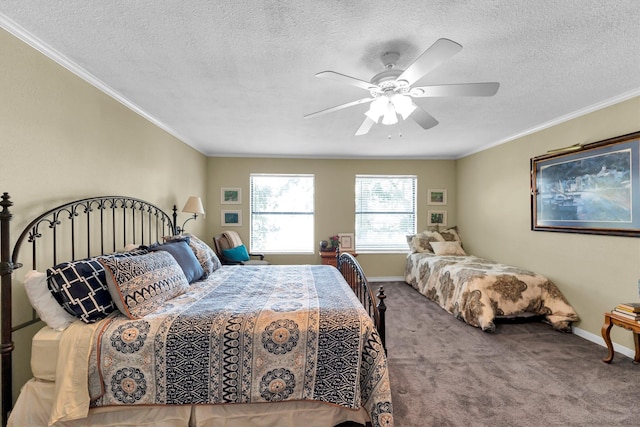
[[44, 353]]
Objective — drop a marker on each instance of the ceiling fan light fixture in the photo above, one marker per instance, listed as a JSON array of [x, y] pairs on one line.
[[377, 108], [403, 105], [390, 117]]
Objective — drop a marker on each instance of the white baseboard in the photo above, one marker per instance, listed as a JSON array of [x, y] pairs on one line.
[[386, 279], [600, 341]]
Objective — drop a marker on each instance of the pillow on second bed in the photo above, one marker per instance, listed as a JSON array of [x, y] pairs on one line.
[[448, 248], [421, 242], [140, 285]]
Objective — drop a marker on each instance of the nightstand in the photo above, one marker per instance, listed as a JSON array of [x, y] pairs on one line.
[[329, 258], [611, 319]]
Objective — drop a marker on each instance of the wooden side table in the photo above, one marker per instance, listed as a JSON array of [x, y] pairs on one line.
[[611, 319], [329, 257]]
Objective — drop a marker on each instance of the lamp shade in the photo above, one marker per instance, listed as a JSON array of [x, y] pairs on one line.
[[377, 108], [194, 206], [403, 105]]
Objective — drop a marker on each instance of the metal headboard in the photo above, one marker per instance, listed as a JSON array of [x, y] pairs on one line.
[[78, 229]]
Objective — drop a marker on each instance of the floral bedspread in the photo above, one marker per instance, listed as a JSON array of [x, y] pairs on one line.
[[477, 290], [245, 335]]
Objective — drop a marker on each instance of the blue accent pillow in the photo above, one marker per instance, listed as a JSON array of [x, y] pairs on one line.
[[239, 253], [207, 258], [187, 260]]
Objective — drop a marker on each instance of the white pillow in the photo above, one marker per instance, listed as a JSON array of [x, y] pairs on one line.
[[48, 309], [447, 248]]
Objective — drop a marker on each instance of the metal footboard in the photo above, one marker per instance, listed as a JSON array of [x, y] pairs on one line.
[[354, 275]]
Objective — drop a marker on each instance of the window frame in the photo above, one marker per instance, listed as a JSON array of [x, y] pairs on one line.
[[399, 247], [252, 247]]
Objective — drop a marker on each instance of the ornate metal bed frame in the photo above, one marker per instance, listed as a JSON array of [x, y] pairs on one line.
[[102, 225], [355, 277]]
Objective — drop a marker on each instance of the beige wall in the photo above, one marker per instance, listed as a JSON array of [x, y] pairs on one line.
[[594, 272], [63, 139], [334, 198]]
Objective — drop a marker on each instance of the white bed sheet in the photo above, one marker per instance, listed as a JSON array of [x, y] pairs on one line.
[[44, 353]]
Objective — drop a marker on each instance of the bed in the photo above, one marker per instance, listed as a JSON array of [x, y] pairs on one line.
[[479, 291], [154, 331]]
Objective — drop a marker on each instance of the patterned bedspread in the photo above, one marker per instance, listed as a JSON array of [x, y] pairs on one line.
[[244, 335], [477, 290]]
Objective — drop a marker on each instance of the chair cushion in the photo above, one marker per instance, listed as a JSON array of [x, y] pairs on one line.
[[239, 253]]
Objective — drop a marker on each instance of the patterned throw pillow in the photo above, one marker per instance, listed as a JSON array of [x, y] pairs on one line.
[[80, 287], [421, 241], [452, 234], [207, 257], [140, 285]]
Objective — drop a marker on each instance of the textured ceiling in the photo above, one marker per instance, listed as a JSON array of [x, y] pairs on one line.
[[235, 78]]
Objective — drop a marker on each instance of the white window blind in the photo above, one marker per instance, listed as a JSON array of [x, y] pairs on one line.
[[282, 213], [385, 212]]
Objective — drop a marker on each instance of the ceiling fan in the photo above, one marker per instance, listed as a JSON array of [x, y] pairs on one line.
[[391, 91]]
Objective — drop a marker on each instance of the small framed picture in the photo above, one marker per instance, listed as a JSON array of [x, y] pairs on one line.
[[231, 218], [230, 196], [347, 243], [437, 218], [436, 197]]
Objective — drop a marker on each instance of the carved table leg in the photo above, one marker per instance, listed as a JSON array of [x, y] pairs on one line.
[[636, 341], [606, 330]]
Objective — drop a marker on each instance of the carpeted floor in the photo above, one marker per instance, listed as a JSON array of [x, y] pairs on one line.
[[444, 372]]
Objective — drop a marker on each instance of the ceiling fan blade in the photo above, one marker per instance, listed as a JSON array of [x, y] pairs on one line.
[[332, 75], [462, 89], [365, 126], [424, 119], [338, 107], [431, 58]]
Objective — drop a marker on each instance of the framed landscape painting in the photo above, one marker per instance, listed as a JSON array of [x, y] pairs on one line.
[[437, 218], [231, 218], [436, 197], [591, 189], [230, 196]]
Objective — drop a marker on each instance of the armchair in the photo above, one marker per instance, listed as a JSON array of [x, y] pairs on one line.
[[229, 240]]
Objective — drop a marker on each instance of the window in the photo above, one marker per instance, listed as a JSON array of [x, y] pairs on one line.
[[385, 212], [282, 213]]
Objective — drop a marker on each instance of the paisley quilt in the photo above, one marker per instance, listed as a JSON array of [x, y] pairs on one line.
[[245, 335], [477, 290]]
